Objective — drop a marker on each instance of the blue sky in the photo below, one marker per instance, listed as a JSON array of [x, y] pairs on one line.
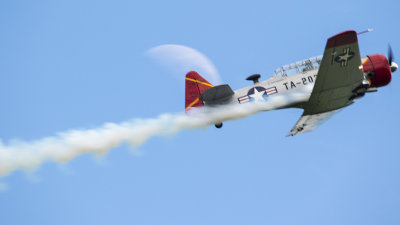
[[78, 64]]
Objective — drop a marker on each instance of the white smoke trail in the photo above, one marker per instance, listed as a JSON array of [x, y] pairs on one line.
[[67, 145]]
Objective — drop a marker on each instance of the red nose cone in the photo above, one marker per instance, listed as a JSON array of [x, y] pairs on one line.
[[380, 66]]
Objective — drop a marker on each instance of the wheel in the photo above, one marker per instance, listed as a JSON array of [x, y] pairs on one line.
[[218, 125]]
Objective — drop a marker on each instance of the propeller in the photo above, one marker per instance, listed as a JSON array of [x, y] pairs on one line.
[[393, 66], [390, 55]]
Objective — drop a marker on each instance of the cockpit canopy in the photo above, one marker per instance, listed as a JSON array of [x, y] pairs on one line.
[[299, 67]]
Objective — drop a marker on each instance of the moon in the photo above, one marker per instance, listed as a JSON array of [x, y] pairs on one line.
[[181, 59]]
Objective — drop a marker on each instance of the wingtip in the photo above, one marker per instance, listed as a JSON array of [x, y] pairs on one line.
[[343, 38], [291, 134]]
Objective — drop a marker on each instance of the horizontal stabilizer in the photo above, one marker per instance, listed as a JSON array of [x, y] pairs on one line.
[[217, 95]]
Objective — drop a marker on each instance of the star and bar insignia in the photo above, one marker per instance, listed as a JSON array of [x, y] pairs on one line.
[[346, 56], [257, 94]]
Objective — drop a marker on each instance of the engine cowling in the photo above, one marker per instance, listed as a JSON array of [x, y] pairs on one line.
[[377, 70]]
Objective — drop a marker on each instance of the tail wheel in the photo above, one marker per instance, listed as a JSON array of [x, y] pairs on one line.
[[218, 125]]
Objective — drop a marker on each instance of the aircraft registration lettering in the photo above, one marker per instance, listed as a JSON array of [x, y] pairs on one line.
[[292, 85], [308, 80], [304, 81]]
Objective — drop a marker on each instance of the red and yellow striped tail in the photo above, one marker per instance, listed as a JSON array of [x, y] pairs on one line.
[[194, 86]]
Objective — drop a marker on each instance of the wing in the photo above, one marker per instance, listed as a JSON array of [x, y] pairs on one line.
[[308, 123], [339, 74]]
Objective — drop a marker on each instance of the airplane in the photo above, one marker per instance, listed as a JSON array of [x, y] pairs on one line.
[[334, 80]]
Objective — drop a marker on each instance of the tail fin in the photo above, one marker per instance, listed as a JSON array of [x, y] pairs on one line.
[[194, 86]]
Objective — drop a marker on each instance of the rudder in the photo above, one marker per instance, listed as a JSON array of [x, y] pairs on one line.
[[194, 86]]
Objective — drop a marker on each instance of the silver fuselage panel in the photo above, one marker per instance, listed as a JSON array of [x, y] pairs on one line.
[[278, 86]]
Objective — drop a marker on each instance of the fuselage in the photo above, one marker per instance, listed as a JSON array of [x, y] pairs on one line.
[[279, 86]]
